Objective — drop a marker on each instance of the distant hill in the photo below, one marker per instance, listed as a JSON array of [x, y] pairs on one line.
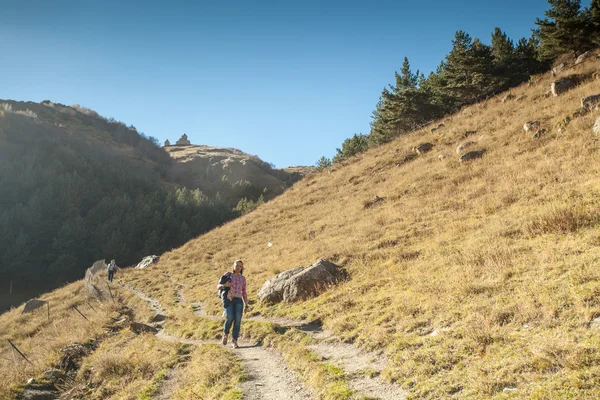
[[77, 187], [227, 172]]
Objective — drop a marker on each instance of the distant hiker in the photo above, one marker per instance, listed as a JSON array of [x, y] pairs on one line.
[[112, 270], [232, 290]]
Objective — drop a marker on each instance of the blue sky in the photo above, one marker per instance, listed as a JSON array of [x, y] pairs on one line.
[[287, 81]]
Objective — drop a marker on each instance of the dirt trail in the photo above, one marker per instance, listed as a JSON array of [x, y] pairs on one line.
[[178, 289], [268, 376], [363, 369], [265, 367]]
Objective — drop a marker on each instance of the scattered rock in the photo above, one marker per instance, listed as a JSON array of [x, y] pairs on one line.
[[561, 85], [53, 374], [36, 394], [472, 155], [558, 69], [462, 147], [596, 75], [442, 157], [158, 317], [579, 113], [530, 125], [407, 158], [538, 134], [373, 202], [521, 98], [596, 128], [31, 381], [595, 323], [423, 148], [583, 57], [33, 305], [146, 261], [139, 328], [508, 97], [590, 101], [469, 133], [509, 389], [562, 124], [302, 283]]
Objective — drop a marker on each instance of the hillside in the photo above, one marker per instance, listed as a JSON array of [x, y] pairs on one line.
[[228, 172], [77, 187], [471, 277], [474, 279]]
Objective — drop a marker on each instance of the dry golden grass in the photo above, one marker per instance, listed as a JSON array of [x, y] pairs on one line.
[[125, 366], [212, 374], [471, 277], [40, 337]]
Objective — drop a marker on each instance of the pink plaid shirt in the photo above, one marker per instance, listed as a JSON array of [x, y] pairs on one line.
[[238, 287]]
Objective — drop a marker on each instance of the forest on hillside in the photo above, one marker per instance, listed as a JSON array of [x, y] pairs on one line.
[[473, 71], [77, 187]]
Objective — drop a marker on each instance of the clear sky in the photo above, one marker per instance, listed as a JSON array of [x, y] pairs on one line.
[[285, 80]]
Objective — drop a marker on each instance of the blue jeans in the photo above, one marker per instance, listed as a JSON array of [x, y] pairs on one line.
[[233, 315], [110, 275]]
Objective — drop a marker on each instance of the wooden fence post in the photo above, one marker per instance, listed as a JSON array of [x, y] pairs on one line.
[[110, 292], [18, 351], [80, 313]]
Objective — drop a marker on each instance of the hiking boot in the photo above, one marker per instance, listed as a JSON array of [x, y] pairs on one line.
[[234, 344], [224, 341]]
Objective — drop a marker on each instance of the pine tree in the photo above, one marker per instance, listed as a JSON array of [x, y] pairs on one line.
[[351, 147], [527, 60], [564, 30], [593, 20], [503, 53], [468, 70]]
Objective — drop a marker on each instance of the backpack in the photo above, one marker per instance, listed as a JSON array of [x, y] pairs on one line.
[[224, 279]]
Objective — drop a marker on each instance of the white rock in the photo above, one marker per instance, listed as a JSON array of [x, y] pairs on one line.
[[530, 125], [596, 128]]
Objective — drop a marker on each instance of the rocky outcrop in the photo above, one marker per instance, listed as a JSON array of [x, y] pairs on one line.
[[558, 68], [33, 305], [472, 155], [560, 86], [596, 128], [423, 148], [146, 261], [463, 146], [590, 102], [183, 141], [302, 283], [583, 57]]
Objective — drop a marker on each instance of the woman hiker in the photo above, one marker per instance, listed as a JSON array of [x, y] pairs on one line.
[[112, 269], [232, 289]]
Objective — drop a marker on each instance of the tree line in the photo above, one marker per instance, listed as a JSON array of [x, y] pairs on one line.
[[77, 188], [473, 71]]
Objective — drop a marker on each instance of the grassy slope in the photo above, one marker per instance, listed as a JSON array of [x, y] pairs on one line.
[[496, 258]]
